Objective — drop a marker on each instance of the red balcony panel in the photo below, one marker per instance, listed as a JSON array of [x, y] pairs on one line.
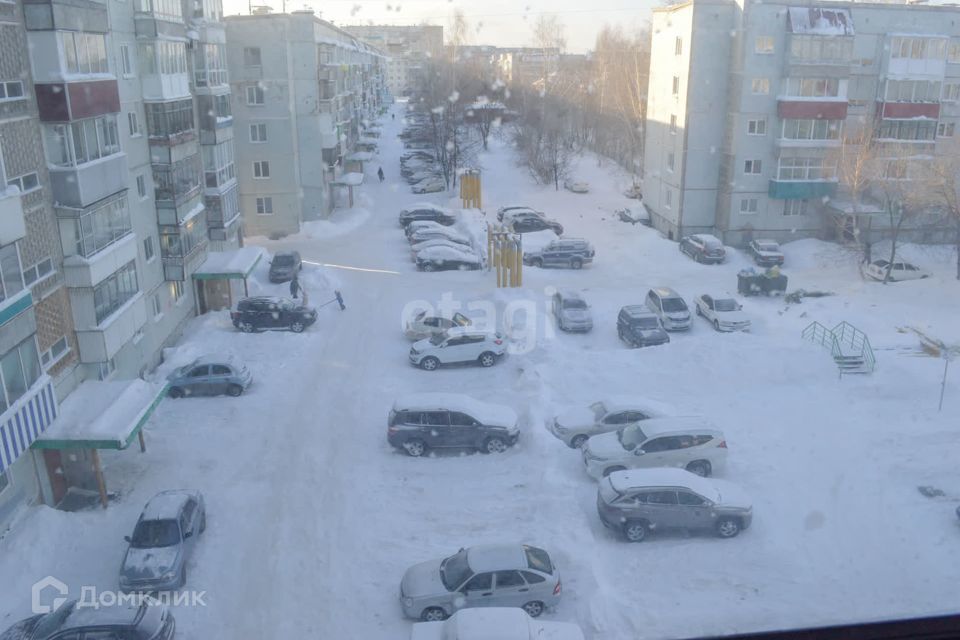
[[52, 102], [800, 109], [61, 102], [903, 110]]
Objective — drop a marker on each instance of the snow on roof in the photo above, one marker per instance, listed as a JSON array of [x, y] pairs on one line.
[[490, 414], [663, 477], [349, 180], [218, 359], [496, 557], [638, 310], [238, 262], [638, 403], [448, 251], [820, 21], [417, 206], [677, 424], [706, 238], [165, 505]]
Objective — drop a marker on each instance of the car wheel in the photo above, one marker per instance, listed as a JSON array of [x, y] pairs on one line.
[[429, 363], [487, 359], [699, 312], [609, 470], [183, 576], [716, 325], [494, 445], [433, 614], [578, 441], [246, 327], [234, 390], [533, 609], [175, 392], [697, 258], [414, 448], [429, 267], [536, 262], [635, 530], [203, 522], [700, 467], [576, 264], [728, 527], [297, 327]]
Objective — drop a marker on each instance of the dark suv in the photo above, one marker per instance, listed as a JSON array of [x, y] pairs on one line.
[[639, 327], [703, 247], [423, 421], [426, 212], [527, 222], [265, 313], [571, 253], [285, 266]]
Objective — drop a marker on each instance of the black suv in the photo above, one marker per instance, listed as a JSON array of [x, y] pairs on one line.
[[527, 222], [423, 421], [639, 327], [432, 214], [571, 253], [285, 266], [265, 313]]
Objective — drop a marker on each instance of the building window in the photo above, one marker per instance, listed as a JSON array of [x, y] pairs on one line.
[[806, 169], [752, 167], [261, 169], [951, 92], [795, 207], [142, 186], [251, 57], [918, 48], [176, 290], [25, 183], [167, 120], [84, 52], [809, 129], [667, 198], [180, 241], [953, 53], [19, 369], [218, 164], [912, 91], [673, 124], [676, 85], [757, 127], [170, 10], [678, 46], [56, 351], [126, 61], [68, 145], [162, 56], [115, 291], [763, 44], [671, 159], [945, 130], [255, 95], [813, 87], [148, 252], [155, 303], [38, 271], [917, 130], [258, 132], [179, 181], [760, 86], [821, 49], [11, 90], [96, 229], [11, 276], [265, 206], [134, 123], [210, 65], [748, 206]]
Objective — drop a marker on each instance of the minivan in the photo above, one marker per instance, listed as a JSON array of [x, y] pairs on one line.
[[670, 307]]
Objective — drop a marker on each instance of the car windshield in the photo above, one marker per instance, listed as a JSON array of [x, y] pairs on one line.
[[630, 437], [645, 323], [725, 304], [51, 622], [671, 305], [769, 247], [438, 339], [574, 304], [155, 533], [283, 260], [455, 570]]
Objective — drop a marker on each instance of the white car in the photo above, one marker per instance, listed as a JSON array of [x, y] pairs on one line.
[[432, 233], [435, 242], [900, 271], [429, 185], [494, 623], [448, 258], [423, 225], [576, 186], [422, 326], [575, 425], [458, 345], [725, 314], [691, 443]]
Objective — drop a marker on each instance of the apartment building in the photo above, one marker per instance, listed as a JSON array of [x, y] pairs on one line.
[[525, 65], [750, 102], [299, 105], [408, 48]]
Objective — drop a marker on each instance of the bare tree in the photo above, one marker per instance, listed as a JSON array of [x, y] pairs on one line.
[[858, 167], [942, 183], [903, 193]]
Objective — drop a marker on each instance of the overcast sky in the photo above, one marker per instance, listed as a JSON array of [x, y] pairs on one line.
[[496, 22]]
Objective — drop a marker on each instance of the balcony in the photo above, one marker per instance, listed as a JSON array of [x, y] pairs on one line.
[[800, 190], [81, 185], [908, 110], [81, 272], [183, 246], [26, 419], [818, 109], [12, 226], [102, 342], [67, 101]]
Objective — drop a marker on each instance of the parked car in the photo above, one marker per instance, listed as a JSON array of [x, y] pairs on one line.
[[429, 185], [690, 443], [209, 376], [703, 248], [285, 266], [415, 249], [637, 502], [494, 623], [575, 425], [423, 326], [639, 327], [527, 222], [576, 186], [670, 307], [448, 258], [504, 214], [766, 253], [431, 233], [427, 212], [423, 421], [147, 620], [422, 175], [725, 314], [423, 225], [458, 345], [900, 271], [264, 313], [571, 253], [501, 575], [163, 541], [572, 312]]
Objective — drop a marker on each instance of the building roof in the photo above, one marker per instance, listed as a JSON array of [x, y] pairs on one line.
[[822, 21]]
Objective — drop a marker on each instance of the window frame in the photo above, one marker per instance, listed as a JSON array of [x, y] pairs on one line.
[[260, 128], [759, 127], [5, 90], [753, 167], [764, 45], [258, 92], [746, 211], [261, 169], [764, 86], [262, 202]]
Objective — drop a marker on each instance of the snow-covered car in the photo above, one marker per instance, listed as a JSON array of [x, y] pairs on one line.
[[423, 421], [501, 623], [415, 249], [423, 225], [209, 376], [420, 176], [430, 233], [422, 326], [900, 271], [725, 314], [508, 575], [162, 542], [670, 307], [575, 425], [640, 327], [448, 258], [429, 185], [148, 619], [691, 443], [457, 346], [572, 312], [505, 214], [704, 248], [765, 253], [639, 501], [426, 212], [576, 186]]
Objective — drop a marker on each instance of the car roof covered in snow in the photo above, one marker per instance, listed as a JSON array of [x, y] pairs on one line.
[[663, 477], [767, 242], [490, 414], [473, 331], [429, 206], [496, 557], [569, 294], [638, 311], [666, 292], [126, 614], [706, 238], [166, 505], [448, 251], [678, 425], [218, 359], [638, 403]]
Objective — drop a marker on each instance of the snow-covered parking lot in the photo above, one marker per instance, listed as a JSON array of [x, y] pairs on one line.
[[313, 517]]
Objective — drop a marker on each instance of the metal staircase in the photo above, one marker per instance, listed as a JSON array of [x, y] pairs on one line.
[[849, 347]]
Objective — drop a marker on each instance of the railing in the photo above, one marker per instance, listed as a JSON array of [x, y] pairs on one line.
[[846, 333], [842, 335]]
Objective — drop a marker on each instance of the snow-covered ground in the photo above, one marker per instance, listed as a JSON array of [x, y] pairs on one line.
[[313, 517]]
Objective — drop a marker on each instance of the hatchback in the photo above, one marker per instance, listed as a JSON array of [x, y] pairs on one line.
[[575, 425], [447, 257], [703, 247], [423, 421], [495, 575], [571, 253], [163, 541], [670, 307], [209, 376], [458, 345], [637, 502], [528, 222], [148, 620]]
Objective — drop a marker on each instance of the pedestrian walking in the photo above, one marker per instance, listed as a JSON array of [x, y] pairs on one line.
[[295, 287], [393, 116], [380, 173]]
